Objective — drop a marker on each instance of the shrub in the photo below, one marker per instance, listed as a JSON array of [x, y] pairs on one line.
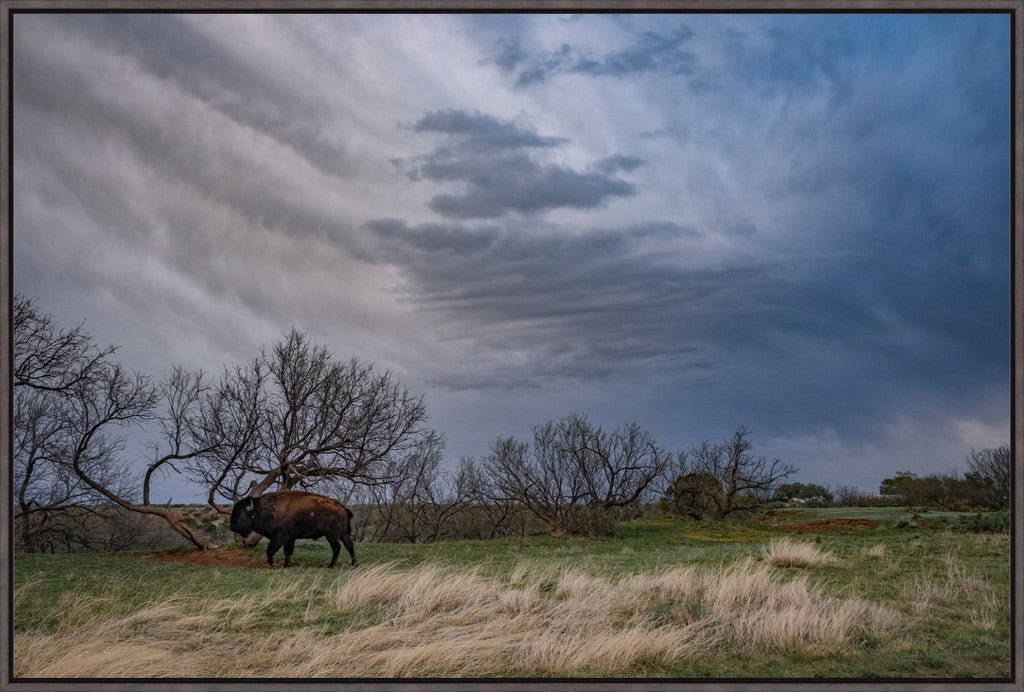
[[810, 494], [588, 521], [695, 494], [984, 522]]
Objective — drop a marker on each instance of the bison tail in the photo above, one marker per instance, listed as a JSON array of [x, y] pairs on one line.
[[349, 512]]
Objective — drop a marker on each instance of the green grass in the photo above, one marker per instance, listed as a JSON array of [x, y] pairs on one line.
[[889, 515], [949, 589]]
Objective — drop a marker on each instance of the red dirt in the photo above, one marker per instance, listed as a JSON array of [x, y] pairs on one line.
[[217, 557], [830, 525], [230, 556]]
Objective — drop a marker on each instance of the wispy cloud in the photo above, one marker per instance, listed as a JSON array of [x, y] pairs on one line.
[[650, 52]]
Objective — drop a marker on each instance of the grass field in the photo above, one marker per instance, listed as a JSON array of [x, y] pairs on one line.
[[837, 593]]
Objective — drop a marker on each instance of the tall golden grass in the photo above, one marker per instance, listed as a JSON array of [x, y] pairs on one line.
[[437, 621], [787, 553], [876, 550]]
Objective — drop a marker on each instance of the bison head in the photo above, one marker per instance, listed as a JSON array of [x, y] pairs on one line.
[[243, 515]]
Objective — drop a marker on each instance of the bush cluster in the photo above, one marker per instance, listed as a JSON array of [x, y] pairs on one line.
[[984, 522]]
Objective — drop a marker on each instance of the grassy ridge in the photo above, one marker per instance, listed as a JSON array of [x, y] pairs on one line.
[[915, 602]]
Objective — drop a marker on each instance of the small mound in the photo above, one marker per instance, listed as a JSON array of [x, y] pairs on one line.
[[830, 525]]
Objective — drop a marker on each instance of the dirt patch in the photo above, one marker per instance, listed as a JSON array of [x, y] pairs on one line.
[[217, 557], [830, 525], [230, 556]]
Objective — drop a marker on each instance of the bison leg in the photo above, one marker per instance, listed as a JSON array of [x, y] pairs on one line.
[[289, 548], [275, 543], [347, 540], [335, 549]]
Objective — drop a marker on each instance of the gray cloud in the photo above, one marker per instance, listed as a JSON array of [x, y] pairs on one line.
[[476, 129], [490, 158], [518, 184], [583, 304], [618, 162], [651, 52], [510, 55], [432, 238]]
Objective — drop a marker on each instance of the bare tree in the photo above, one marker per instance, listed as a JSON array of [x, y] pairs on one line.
[[184, 438], [848, 496], [47, 357], [99, 407], [497, 511], [574, 464], [49, 365], [296, 417], [224, 427], [38, 448], [44, 486], [727, 477], [990, 472], [617, 467], [73, 404], [436, 500], [537, 479], [419, 503]]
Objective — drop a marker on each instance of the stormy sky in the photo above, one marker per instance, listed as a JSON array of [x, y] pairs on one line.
[[800, 223]]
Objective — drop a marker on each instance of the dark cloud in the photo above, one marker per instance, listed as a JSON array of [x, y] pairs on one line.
[[499, 185], [491, 159], [929, 249], [663, 229], [476, 130], [618, 162], [651, 52], [797, 57], [584, 304], [510, 56]]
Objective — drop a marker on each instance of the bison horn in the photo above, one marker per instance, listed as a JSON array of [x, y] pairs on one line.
[[251, 505]]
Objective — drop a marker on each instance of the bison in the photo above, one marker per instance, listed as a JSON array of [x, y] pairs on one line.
[[286, 515]]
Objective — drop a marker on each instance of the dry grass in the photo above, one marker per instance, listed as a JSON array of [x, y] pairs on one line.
[[787, 553], [956, 588], [438, 621], [876, 551]]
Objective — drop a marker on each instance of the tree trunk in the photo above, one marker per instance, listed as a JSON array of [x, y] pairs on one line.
[[165, 513], [187, 532]]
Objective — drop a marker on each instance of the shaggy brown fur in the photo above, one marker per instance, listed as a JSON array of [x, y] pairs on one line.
[[288, 515]]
